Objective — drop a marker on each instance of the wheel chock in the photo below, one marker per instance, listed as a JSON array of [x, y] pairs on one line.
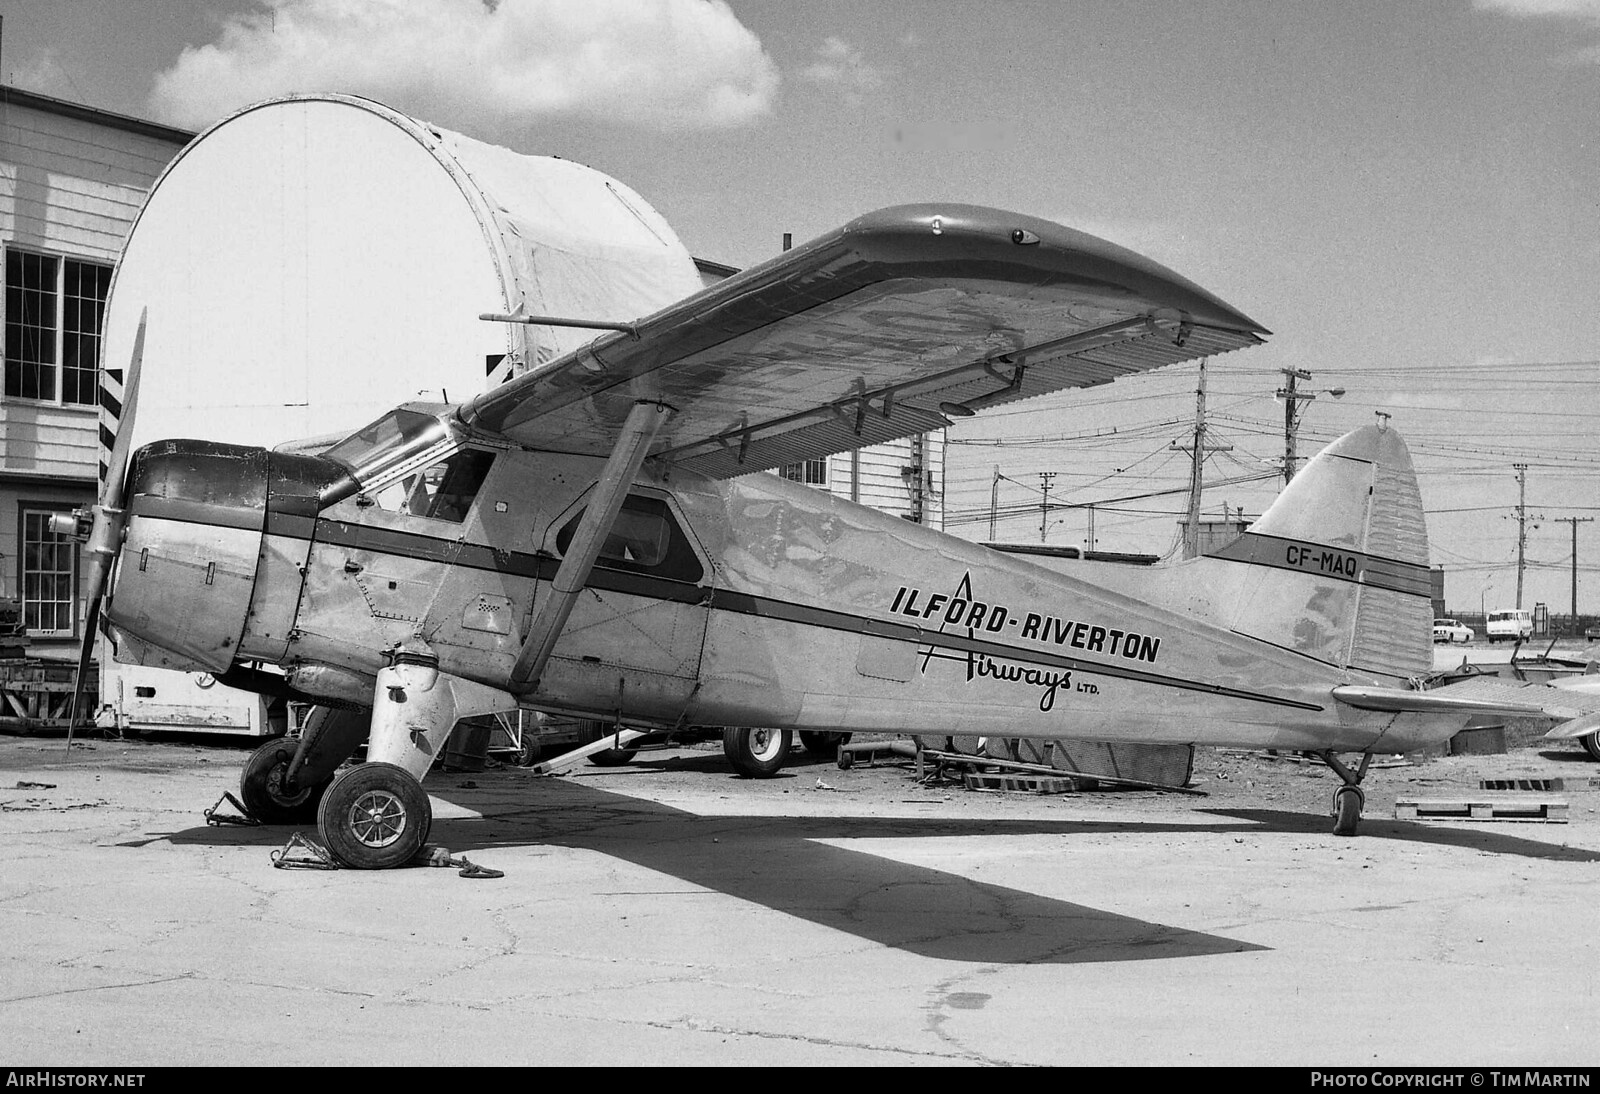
[[311, 856], [244, 818]]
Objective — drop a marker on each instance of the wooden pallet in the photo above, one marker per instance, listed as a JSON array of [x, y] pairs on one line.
[[1560, 783], [1478, 807], [1028, 784]]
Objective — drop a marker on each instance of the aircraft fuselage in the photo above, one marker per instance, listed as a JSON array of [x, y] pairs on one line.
[[748, 601]]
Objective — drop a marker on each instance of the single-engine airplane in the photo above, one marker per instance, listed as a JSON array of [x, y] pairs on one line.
[[586, 539]]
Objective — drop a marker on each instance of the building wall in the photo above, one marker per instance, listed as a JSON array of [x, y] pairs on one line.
[[71, 183], [883, 477]]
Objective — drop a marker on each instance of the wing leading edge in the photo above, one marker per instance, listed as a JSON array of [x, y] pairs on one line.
[[876, 331]]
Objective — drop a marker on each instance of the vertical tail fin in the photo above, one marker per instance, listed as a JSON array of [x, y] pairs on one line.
[[1337, 567]]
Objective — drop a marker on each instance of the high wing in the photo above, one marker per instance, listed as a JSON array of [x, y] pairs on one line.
[[879, 330]]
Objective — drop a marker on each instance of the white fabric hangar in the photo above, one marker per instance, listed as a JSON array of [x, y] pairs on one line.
[[311, 261]]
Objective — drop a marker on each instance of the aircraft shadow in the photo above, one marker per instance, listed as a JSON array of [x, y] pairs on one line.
[[778, 862], [775, 862]]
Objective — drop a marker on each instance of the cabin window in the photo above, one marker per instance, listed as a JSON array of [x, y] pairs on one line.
[[54, 307], [441, 491], [645, 539]]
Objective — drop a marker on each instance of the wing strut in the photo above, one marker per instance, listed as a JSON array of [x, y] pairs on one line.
[[601, 513]]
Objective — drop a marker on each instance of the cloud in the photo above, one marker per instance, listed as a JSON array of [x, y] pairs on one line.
[[659, 64], [1572, 9], [841, 68]]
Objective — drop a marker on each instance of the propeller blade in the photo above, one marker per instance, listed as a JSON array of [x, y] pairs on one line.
[[117, 467], [84, 650], [105, 534]]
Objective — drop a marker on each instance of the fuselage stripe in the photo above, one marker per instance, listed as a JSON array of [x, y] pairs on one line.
[[542, 567], [1330, 563]]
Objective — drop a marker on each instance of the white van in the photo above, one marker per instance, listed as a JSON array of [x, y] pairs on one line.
[[1510, 624]]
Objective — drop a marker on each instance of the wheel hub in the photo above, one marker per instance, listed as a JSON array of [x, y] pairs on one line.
[[279, 790], [764, 743], [377, 819]]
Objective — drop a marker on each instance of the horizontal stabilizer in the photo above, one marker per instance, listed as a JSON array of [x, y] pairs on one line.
[[1403, 700], [1577, 727], [1576, 708]]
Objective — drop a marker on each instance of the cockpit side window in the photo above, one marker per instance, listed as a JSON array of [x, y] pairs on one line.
[[645, 539], [442, 491]]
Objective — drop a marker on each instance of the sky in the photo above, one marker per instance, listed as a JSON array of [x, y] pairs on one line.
[[1403, 193]]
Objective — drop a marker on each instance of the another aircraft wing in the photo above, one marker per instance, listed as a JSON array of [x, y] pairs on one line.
[[880, 330]]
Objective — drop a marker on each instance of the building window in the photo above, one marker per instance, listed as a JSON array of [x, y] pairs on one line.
[[54, 307], [810, 472], [48, 576], [85, 286]]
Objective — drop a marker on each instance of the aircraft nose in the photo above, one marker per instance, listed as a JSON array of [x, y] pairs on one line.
[[187, 563]]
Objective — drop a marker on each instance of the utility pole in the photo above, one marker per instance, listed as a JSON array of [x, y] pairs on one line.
[[1197, 457], [1291, 416], [1090, 540], [1044, 504], [1522, 524], [1574, 521], [994, 501], [1291, 413]]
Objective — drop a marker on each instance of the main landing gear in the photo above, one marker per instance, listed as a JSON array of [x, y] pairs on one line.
[[1349, 799], [756, 753], [375, 816], [268, 796], [284, 780]]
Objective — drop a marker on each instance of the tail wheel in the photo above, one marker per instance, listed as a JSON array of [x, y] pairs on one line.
[[756, 753], [611, 757], [1347, 805], [824, 746], [1591, 744], [375, 816], [263, 793]]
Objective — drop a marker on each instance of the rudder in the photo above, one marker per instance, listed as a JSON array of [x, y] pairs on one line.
[[1337, 567]]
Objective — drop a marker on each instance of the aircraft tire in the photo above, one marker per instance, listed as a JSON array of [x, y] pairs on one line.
[[823, 745], [1347, 804], [756, 753], [375, 816], [261, 786], [611, 757], [1591, 745]]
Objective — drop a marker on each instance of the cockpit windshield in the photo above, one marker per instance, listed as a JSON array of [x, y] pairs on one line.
[[386, 442], [392, 445]]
